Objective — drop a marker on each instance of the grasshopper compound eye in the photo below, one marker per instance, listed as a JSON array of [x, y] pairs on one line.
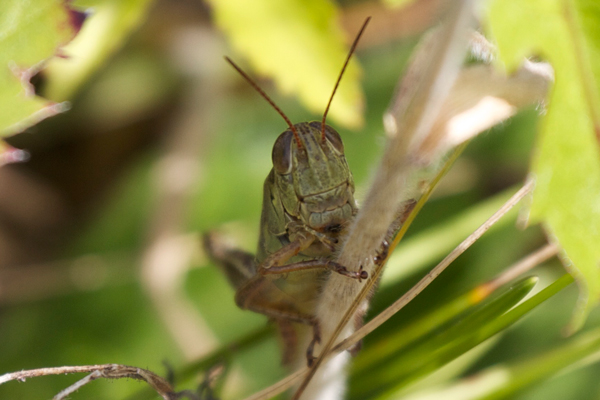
[[282, 153], [334, 138]]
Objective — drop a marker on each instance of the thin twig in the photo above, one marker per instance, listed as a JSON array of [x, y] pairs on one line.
[[108, 371], [77, 385], [520, 267], [279, 387]]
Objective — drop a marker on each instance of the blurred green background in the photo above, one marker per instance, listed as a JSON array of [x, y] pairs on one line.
[[99, 230]]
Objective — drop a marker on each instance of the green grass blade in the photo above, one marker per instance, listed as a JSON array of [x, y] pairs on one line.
[[425, 346]]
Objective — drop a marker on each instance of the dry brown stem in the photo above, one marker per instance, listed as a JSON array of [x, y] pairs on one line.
[[108, 371]]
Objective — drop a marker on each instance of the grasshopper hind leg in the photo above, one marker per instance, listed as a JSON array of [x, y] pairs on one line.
[[289, 337], [316, 339], [255, 292], [239, 266]]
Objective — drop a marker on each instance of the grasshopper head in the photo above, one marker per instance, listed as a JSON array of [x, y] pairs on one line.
[[313, 177]]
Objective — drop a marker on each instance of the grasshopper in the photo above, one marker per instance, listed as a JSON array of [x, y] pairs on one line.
[[308, 200]]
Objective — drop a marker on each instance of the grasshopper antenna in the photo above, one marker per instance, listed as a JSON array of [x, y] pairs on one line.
[[267, 98], [337, 83]]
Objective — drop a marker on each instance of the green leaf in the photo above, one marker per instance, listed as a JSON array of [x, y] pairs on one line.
[[109, 24], [30, 32], [397, 3], [474, 329], [528, 372], [567, 159], [4, 150], [505, 381], [402, 360], [301, 45]]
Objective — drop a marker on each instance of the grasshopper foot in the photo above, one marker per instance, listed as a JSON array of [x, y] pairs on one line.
[[355, 349], [340, 269], [382, 253], [362, 274]]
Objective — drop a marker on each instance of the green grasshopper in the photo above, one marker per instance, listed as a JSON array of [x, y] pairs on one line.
[[308, 200]]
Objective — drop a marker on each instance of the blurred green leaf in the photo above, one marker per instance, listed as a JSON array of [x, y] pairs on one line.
[[588, 16], [462, 306], [504, 381], [4, 148], [301, 45], [567, 160], [110, 22], [30, 32], [526, 373], [397, 3], [477, 327], [402, 361]]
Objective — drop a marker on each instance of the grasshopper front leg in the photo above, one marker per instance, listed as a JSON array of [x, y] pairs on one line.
[[258, 293], [275, 263], [240, 269], [254, 283]]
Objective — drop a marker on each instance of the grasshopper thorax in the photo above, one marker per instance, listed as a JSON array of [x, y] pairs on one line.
[[311, 173]]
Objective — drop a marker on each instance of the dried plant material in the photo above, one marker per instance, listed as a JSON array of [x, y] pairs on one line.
[[108, 371], [482, 97], [9, 154]]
